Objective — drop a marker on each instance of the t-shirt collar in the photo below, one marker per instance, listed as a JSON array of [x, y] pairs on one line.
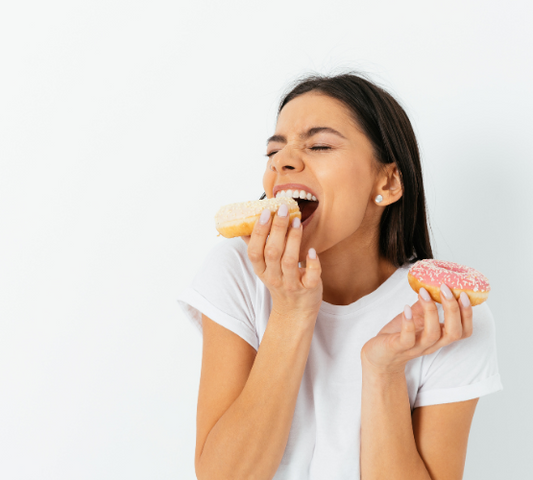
[[386, 288]]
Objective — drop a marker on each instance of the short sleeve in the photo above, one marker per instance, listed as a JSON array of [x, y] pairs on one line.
[[465, 369], [224, 289]]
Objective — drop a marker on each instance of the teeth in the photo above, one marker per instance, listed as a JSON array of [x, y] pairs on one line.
[[296, 194]]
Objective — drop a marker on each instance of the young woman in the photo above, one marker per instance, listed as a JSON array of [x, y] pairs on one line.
[[319, 360]]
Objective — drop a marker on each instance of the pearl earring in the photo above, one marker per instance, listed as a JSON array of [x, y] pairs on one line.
[[379, 198]]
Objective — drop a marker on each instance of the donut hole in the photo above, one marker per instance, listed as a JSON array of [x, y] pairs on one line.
[[307, 207], [452, 267]]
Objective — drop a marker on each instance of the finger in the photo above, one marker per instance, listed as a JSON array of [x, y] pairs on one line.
[[452, 329], [276, 242], [257, 241], [291, 255], [407, 338], [432, 329], [466, 315], [313, 270], [246, 239]]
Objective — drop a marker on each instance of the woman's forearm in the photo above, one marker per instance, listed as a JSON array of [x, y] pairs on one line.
[[250, 438], [388, 447]]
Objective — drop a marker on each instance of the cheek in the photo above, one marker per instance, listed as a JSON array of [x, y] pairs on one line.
[[347, 212], [345, 169], [349, 185], [347, 202], [342, 216]]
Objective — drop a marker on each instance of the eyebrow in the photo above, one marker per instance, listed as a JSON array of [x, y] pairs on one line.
[[306, 135]]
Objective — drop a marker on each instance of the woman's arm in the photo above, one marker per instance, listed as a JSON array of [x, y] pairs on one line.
[[389, 447], [441, 434], [249, 439], [430, 445]]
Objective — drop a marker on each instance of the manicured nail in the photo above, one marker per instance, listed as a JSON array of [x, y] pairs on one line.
[[464, 299], [265, 215], [296, 222], [446, 291], [407, 312], [312, 253], [424, 294], [283, 210]]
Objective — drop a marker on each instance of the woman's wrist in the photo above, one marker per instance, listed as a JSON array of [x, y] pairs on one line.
[[292, 308], [381, 371], [302, 320]]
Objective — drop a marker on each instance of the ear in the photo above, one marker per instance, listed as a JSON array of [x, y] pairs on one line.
[[389, 185]]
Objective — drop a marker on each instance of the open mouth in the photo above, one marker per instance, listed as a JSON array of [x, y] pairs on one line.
[[307, 207]]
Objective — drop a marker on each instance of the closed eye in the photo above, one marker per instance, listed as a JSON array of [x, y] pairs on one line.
[[316, 148]]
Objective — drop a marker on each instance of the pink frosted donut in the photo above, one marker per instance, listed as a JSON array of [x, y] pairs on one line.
[[430, 274]]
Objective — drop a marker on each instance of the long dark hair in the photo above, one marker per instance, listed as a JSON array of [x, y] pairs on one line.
[[404, 235]]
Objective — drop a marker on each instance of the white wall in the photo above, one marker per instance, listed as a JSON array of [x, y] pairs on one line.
[[124, 125]]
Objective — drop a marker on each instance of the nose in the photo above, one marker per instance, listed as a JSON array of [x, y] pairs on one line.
[[286, 159]]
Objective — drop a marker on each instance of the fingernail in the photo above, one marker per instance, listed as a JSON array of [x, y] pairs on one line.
[[464, 299], [283, 210], [424, 294], [446, 291], [296, 222], [312, 253], [265, 215], [407, 312]]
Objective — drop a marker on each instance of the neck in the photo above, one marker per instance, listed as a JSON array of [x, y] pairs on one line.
[[351, 271]]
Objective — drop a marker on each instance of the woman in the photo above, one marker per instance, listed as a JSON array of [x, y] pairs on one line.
[[319, 360]]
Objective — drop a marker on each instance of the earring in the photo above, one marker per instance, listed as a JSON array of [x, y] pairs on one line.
[[379, 198]]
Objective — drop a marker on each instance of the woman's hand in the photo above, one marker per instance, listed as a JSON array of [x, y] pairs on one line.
[[293, 289], [417, 331]]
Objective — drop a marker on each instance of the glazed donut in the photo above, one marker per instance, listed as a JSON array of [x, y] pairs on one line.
[[430, 274], [238, 219]]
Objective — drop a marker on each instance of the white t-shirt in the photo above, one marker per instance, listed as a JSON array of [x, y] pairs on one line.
[[324, 439]]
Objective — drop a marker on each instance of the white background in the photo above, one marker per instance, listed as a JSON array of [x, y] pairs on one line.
[[124, 125]]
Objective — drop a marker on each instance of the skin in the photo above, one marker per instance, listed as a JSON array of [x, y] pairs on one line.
[[341, 170]]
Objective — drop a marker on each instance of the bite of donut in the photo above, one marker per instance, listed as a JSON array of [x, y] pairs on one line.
[[239, 219]]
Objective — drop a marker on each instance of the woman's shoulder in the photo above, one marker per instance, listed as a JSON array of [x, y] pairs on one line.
[[229, 250], [229, 258]]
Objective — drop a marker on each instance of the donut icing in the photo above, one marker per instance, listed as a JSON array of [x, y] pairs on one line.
[[435, 272]]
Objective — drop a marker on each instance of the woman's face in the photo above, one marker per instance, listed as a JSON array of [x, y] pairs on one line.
[[318, 146]]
